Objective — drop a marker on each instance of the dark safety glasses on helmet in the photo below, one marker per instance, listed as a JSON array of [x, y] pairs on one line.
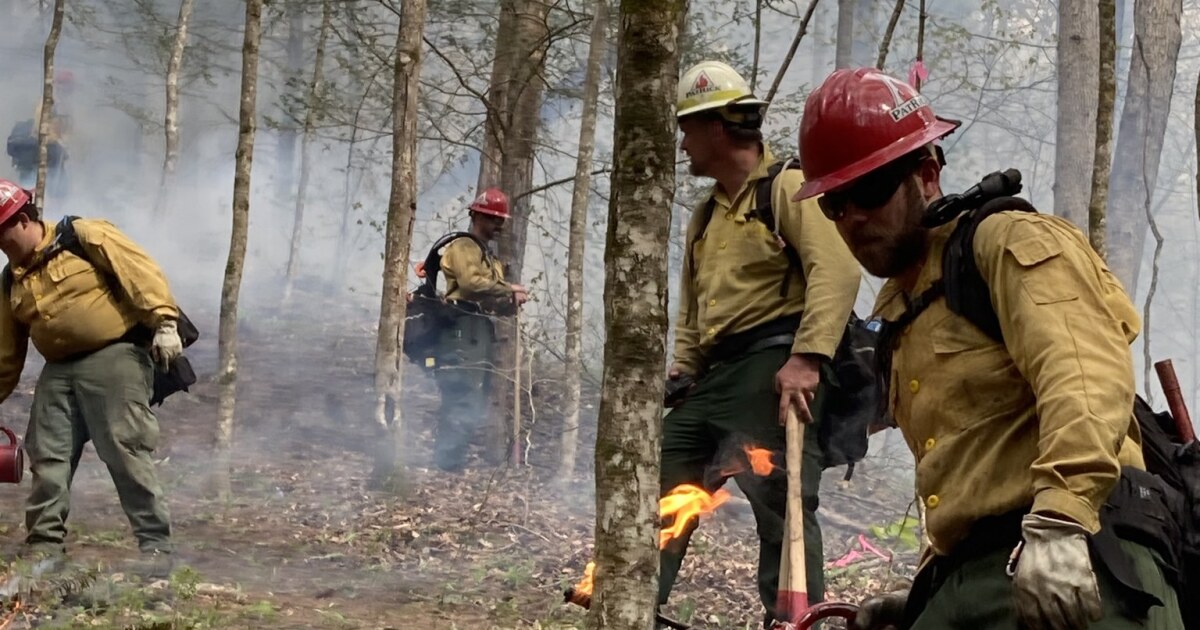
[[869, 192]]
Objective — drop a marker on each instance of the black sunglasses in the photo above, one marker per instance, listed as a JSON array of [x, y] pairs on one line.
[[870, 191]]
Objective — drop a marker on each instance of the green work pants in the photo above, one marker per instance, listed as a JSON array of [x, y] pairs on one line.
[[103, 397], [463, 373], [735, 404], [976, 593]]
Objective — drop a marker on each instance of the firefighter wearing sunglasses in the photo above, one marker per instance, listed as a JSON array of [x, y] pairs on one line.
[[1019, 441], [754, 329]]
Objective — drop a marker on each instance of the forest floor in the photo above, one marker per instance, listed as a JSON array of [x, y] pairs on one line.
[[303, 543]]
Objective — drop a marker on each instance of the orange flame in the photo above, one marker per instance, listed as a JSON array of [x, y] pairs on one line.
[[584, 587], [684, 503], [681, 505], [760, 461]]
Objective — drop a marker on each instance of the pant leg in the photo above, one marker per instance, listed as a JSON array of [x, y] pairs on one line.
[[688, 448], [979, 596], [464, 364], [752, 415], [54, 443], [113, 387]]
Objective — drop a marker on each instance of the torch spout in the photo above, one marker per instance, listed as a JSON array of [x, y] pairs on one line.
[[584, 600]]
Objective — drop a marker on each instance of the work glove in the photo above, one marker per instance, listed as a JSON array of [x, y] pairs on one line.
[[167, 346], [1054, 584], [881, 611]]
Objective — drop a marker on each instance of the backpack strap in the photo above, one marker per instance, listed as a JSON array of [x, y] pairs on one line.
[[763, 209], [967, 293], [433, 260]]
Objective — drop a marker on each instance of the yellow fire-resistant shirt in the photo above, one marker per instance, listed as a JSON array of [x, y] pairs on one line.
[[471, 274], [66, 306], [739, 266], [1042, 420]]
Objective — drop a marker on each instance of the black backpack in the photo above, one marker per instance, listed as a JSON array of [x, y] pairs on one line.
[[22, 144], [180, 376], [850, 396], [1173, 467], [428, 311]]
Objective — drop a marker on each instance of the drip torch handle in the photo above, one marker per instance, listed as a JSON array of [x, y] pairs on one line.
[[1174, 394]]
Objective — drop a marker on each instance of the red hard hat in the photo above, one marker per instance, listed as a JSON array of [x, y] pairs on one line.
[[859, 120], [12, 199], [491, 201]]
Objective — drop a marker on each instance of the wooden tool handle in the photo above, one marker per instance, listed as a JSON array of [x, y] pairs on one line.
[[793, 576], [1174, 394]]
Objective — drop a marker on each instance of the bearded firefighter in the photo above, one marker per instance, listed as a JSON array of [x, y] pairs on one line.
[[764, 300], [476, 292], [1020, 439]]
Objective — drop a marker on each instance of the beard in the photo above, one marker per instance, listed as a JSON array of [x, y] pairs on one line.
[[889, 254]]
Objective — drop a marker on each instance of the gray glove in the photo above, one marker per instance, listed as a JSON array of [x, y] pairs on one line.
[[881, 611], [167, 346], [1054, 584]]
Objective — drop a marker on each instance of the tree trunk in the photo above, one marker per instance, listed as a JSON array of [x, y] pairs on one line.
[[1078, 75], [402, 209], [47, 99], [227, 335], [310, 119], [515, 98], [575, 245], [843, 58], [629, 433], [171, 117], [886, 43], [285, 158], [1102, 165], [1140, 137]]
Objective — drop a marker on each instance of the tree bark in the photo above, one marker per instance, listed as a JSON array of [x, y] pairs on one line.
[[310, 120], [629, 433], [285, 159], [1140, 137], [1078, 76], [577, 239], [171, 115], [227, 329], [47, 113], [402, 207], [843, 58], [1102, 164], [887, 34], [514, 104]]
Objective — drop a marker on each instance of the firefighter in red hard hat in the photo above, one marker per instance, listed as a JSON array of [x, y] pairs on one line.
[[1023, 439], [476, 292], [100, 311]]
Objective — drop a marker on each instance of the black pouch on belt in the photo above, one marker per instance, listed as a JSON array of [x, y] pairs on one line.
[[1137, 511]]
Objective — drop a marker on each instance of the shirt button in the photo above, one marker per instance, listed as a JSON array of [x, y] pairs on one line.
[[712, 302], [929, 444], [728, 215], [723, 244], [914, 386], [932, 501], [712, 331]]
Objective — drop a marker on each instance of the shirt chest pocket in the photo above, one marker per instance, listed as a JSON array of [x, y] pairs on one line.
[[756, 247], [70, 277], [973, 376]]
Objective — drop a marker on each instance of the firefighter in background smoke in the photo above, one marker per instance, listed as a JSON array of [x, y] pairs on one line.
[[476, 292], [1021, 440], [102, 329], [761, 312], [22, 146]]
